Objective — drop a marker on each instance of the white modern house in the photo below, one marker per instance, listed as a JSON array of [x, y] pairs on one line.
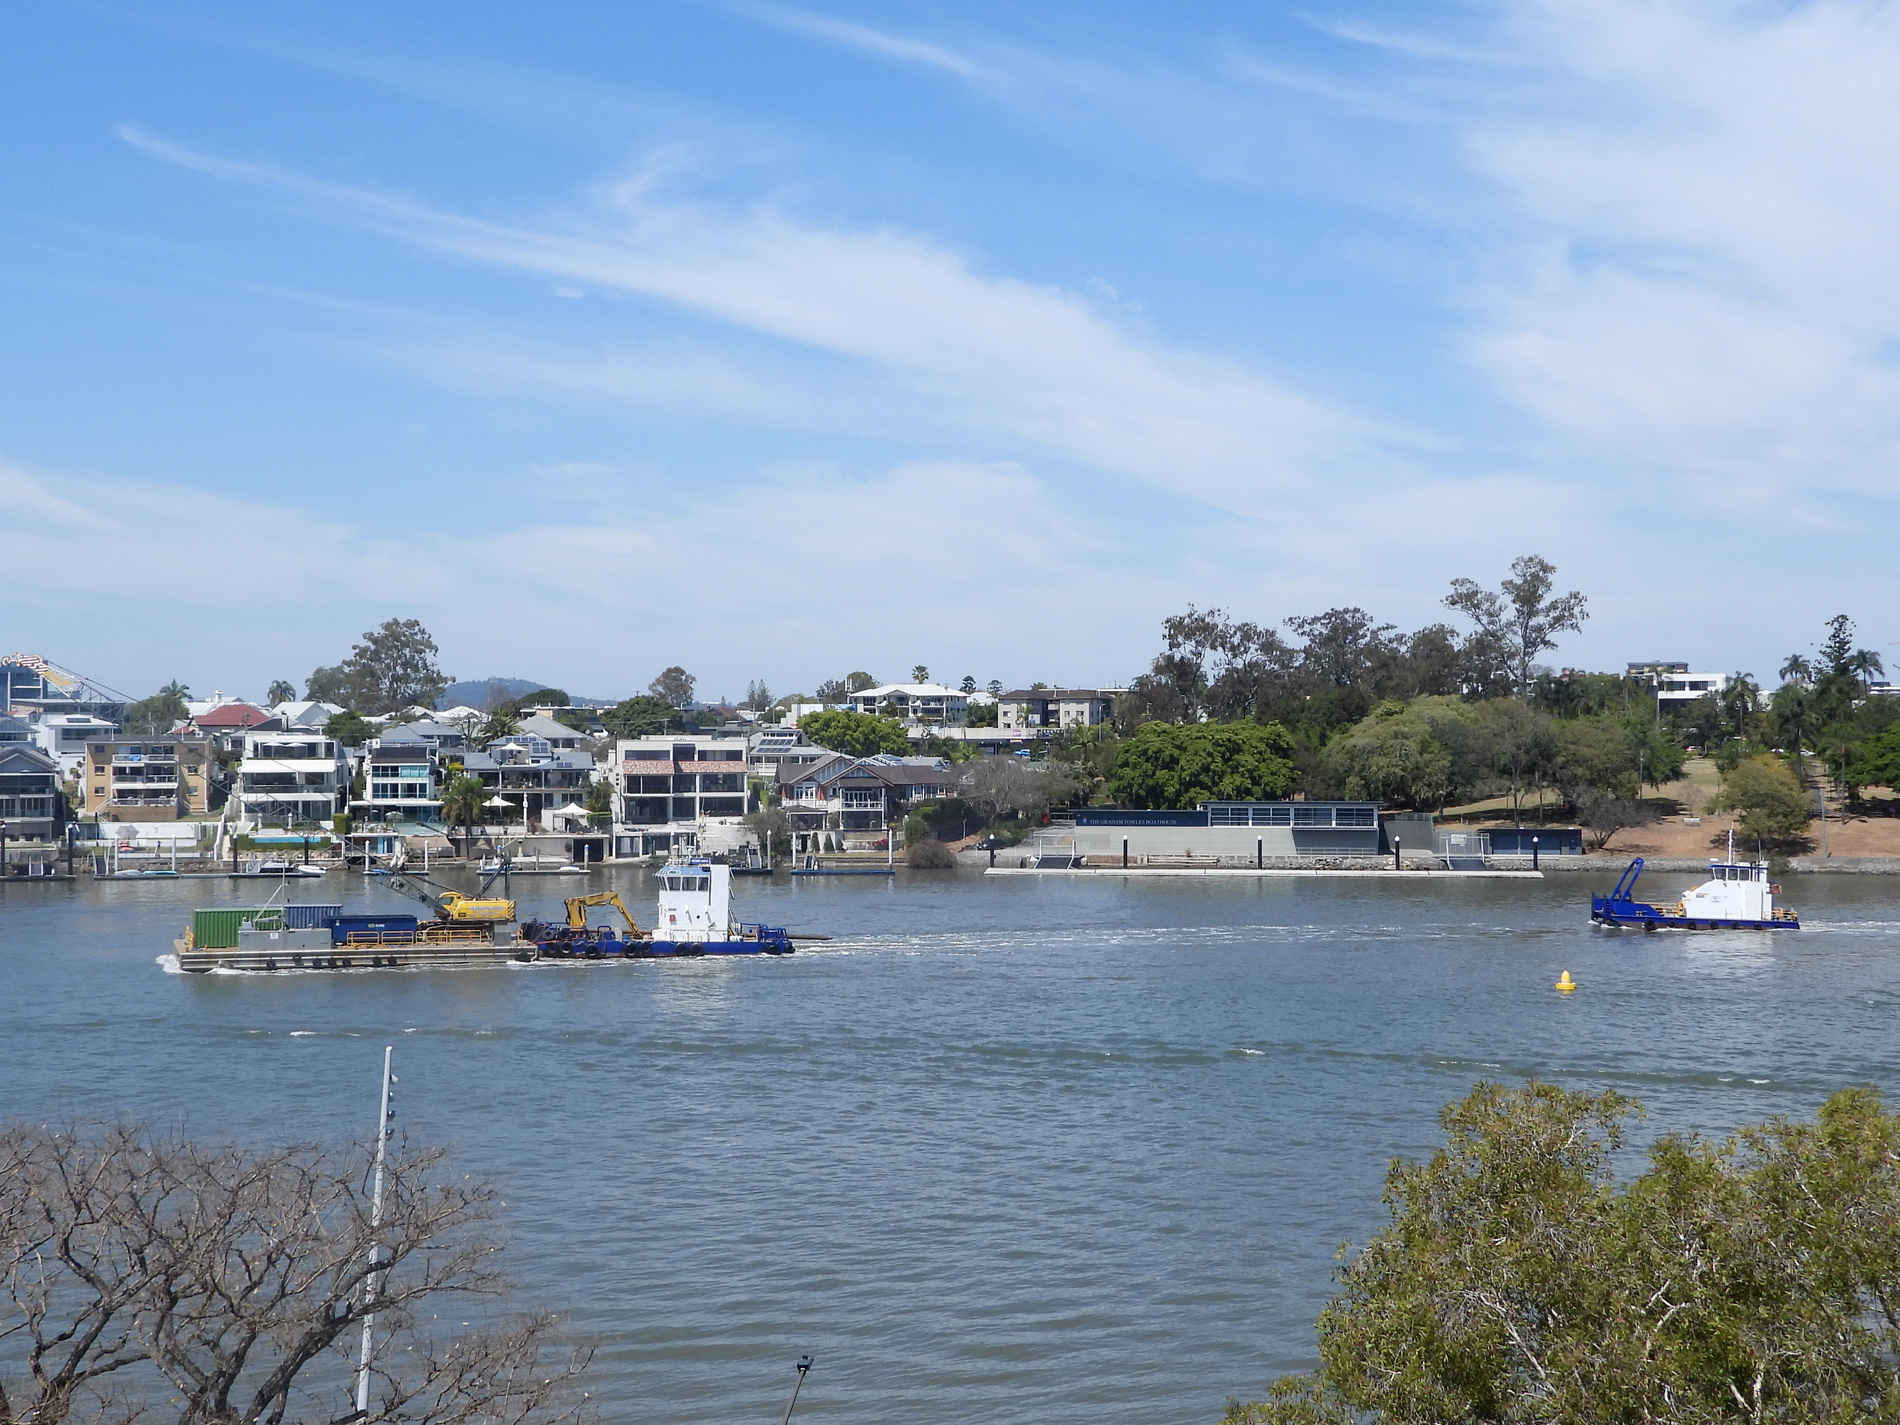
[[291, 777], [929, 703], [672, 789], [1675, 683], [62, 736]]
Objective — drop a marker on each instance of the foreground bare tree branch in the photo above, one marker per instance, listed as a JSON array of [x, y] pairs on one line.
[[143, 1274]]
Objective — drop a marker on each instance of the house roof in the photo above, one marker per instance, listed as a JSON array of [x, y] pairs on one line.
[[915, 690], [233, 715], [23, 757], [540, 725], [1054, 695], [822, 770]]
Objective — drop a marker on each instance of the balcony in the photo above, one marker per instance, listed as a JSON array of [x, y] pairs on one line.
[[135, 759], [155, 778]]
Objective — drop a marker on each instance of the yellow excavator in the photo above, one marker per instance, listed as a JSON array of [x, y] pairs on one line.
[[449, 905], [577, 910]]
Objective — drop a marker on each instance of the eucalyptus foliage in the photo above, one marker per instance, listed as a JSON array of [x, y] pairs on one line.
[[1752, 1280]]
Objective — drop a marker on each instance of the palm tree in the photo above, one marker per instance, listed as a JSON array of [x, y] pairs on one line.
[[1863, 663], [281, 692], [462, 802], [1797, 669], [500, 722]]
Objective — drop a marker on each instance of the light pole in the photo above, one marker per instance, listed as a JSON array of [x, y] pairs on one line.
[[3, 848]]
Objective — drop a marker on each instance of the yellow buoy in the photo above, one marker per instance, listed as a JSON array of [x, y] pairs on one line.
[[1565, 983]]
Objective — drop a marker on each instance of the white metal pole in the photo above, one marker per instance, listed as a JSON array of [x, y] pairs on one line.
[[372, 1282]]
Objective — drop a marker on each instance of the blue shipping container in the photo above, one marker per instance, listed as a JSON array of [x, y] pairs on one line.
[[345, 926], [310, 917]]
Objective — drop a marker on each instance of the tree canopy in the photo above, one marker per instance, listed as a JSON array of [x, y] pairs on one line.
[[350, 728], [160, 712], [393, 668], [642, 716], [1521, 617], [1176, 765], [1755, 1280], [673, 686], [1769, 800], [855, 734]]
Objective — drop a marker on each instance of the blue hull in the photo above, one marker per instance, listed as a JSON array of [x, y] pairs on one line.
[[1638, 915], [770, 940], [1620, 910]]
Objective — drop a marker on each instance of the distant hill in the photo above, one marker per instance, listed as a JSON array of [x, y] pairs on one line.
[[480, 692]]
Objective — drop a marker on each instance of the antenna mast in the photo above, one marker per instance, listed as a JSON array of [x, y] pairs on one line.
[[372, 1284]]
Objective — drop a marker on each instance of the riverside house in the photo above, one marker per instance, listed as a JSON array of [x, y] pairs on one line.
[[291, 778], [672, 788], [30, 800], [860, 794], [149, 778], [528, 780], [928, 703]]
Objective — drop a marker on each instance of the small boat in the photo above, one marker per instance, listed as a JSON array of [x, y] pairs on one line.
[[1737, 896], [694, 917]]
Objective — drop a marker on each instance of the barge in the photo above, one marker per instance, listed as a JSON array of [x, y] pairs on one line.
[[692, 918]]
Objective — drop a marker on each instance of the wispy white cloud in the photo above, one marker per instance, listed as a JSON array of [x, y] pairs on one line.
[[852, 35], [995, 354], [1706, 202]]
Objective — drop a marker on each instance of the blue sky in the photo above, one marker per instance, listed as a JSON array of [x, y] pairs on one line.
[[781, 341]]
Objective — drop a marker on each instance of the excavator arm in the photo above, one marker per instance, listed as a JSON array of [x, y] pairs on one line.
[[577, 910]]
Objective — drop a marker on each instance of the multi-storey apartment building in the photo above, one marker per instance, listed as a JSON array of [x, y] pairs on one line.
[[671, 787], [1055, 707], [291, 777], [928, 703], [149, 778]]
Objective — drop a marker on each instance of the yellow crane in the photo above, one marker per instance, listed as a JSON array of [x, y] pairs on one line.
[[577, 910]]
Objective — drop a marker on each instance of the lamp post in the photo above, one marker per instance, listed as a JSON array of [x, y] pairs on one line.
[[3, 848], [1533, 853], [1397, 842]]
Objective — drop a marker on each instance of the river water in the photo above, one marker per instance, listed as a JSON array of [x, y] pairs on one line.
[[1005, 1149]]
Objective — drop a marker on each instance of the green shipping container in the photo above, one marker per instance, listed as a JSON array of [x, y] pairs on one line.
[[218, 929]]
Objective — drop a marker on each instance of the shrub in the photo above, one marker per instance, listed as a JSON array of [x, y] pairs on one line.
[[929, 856]]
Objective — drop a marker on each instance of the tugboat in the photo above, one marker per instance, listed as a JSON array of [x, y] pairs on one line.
[[1737, 896], [694, 918]]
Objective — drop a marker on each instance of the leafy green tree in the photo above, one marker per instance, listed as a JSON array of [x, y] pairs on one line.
[[855, 734], [1596, 759], [393, 668], [1768, 798], [159, 713], [1877, 760], [641, 716], [1393, 757], [968, 685], [600, 803], [1522, 743], [982, 715], [1521, 617], [674, 687], [543, 698], [1516, 1281], [1174, 765], [327, 685], [351, 729]]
